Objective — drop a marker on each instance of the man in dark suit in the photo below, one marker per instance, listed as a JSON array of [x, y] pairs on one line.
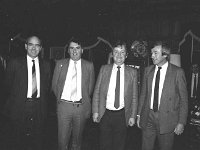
[[72, 84], [27, 82], [163, 102], [115, 106]]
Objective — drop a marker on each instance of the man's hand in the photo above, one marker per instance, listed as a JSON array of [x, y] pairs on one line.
[[179, 129], [131, 122], [95, 117], [138, 121]]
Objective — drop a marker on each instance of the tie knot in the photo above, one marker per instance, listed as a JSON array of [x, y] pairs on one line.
[[33, 61], [118, 67], [159, 68]]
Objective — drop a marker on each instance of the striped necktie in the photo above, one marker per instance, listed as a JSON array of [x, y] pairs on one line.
[[74, 83], [34, 81]]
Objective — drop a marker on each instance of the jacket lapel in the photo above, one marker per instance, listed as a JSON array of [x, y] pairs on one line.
[[166, 84], [63, 73], [108, 73]]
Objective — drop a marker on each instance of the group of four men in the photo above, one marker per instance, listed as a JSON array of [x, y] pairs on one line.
[[115, 103]]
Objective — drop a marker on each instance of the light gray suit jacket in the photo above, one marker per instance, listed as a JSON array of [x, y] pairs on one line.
[[130, 91], [174, 99], [87, 82]]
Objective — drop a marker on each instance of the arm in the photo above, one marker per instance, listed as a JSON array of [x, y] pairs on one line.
[[92, 79], [142, 97], [56, 76], [9, 76], [134, 99], [96, 98], [182, 92]]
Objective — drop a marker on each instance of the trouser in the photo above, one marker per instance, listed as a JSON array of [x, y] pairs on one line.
[[70, 121], [113, 130], [152, 132]]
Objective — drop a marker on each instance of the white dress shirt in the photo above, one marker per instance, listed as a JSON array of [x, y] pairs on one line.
[[66, 94], [111, 90], [161, 83], [37, 69]]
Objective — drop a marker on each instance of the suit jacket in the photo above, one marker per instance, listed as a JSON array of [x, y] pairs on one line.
[[174, 99], [130, 91], [87, 82], [17, 86]]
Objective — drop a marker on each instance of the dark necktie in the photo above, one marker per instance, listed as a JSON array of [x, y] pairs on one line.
[[34, 81], [156, 91], [117, 89], [195, 86]]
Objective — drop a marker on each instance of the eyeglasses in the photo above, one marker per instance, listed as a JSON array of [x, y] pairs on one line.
[[34, 45]]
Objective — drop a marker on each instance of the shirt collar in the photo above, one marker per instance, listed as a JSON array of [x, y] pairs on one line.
[[121, 66], [30, 59], [164, 66]]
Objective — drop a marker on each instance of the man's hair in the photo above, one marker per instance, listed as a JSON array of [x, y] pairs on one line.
[[29, 37], [120, 43], [75, 40], [165, 49]]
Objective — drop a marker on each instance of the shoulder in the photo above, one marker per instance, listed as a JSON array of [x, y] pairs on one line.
[[62, 61], [176, 68], [16, 61], [86, 62], [128, 68]]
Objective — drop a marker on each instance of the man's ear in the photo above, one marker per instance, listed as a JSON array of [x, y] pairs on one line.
[[26, 46]]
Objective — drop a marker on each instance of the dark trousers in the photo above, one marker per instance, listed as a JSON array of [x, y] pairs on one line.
[[152, 132], [28, 132], [70, 120], [113, 130]]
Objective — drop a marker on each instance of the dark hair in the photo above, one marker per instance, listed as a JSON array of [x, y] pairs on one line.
[[75, 40], [120, 43]]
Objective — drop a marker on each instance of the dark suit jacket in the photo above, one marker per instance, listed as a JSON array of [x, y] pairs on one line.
[[130, 91], [174, 99], [87, 80], [17, 86]]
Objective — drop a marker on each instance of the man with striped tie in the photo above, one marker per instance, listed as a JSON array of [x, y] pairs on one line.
[[27, 81], [72, 84]]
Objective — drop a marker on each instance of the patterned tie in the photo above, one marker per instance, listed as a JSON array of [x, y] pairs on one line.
[[156, 91], [74, 83], [34, 81], [117, 89]]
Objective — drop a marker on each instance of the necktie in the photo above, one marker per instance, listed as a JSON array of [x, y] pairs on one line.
[[117, 89], [34, 81], [195, 86], [156, 91], [74, 83]]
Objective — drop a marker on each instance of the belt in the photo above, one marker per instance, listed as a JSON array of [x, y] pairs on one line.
[[32, 99], [73, 102], [115, 111]]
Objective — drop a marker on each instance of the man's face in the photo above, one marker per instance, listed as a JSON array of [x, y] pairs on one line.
[[119, 54], [75, 51], [33, 47], [157, 57]]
